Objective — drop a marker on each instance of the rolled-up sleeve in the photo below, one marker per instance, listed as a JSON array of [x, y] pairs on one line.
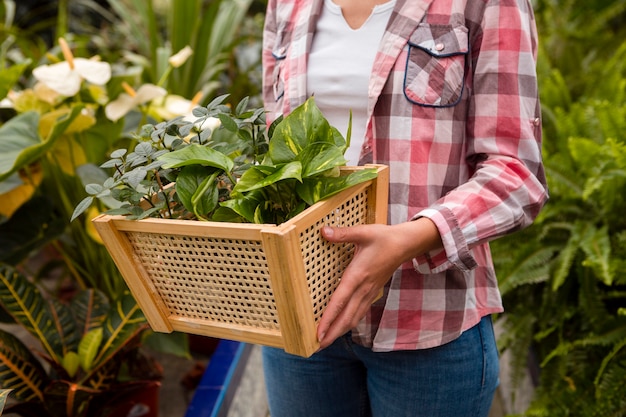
[[507, 186]]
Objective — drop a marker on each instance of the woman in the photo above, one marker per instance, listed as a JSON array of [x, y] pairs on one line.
[[445, 93]]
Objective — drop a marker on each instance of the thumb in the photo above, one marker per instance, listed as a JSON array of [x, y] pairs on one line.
[[335, 234]]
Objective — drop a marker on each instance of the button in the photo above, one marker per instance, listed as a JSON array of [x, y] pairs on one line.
[[440, 47], [537, 121]]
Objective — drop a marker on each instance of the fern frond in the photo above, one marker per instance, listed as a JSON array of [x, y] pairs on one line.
[[532, 266], [617, 348]]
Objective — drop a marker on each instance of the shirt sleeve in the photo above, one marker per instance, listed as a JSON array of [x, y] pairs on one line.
[[507, 187]]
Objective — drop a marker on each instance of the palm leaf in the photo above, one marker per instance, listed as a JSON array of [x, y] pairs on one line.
[[123, 323], [90, 308], [65, 324], [25, 303], [20, 370], [4, 393]]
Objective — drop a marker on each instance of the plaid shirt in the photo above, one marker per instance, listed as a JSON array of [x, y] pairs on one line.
[[454, 111]]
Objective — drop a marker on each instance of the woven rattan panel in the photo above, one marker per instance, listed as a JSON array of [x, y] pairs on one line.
[[324, 261], [231, 285]]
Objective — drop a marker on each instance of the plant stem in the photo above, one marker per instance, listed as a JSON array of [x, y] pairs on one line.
[[162, 188], [62, 19]]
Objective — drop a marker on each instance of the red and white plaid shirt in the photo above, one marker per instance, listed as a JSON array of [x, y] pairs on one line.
[[454, 111]]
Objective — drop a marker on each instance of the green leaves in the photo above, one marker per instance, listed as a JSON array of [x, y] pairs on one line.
[[25, 303], [195, 154], [316, 189], [21, 143], [562, 279], [229, 173], [85, 338], [304, 154], [305, 126], [264, 176], [20, 370]]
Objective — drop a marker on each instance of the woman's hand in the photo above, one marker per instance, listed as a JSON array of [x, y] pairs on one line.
[[379, 251]]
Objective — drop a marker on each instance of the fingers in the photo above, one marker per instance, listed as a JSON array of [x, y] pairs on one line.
[[360, 283], [344, 311]]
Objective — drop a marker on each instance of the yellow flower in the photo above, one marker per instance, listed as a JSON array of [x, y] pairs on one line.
[[66, 77], [92, 213], [23, 189], [125, 102]]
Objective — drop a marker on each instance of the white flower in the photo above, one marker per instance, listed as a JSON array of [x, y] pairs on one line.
[[66, 77], [180, 57], [125, 102], [44, 93], [6, 103], [171, 106]]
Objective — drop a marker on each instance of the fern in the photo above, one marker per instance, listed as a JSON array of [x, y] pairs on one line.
[[530, 266], [562, 279]]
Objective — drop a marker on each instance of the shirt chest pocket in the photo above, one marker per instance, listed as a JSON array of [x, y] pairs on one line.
[[435, 67]]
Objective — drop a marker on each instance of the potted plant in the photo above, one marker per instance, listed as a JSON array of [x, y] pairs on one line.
[[194, 203], [90, 359]]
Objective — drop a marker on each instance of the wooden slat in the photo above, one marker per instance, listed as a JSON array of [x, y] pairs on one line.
[[293, 301], [222, 230], [378, 202], [230, 332], [136, 278]]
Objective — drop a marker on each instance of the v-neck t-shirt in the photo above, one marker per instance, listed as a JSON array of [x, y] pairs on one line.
[[339, 68]]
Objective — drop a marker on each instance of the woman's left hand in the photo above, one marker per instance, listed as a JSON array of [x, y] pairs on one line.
[[379, 251]]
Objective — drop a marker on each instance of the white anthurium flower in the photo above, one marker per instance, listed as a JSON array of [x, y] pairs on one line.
[[44, 93], [180, 57], [172, 106], [66, 77], [125, 102], [6, 103], [210, 123]]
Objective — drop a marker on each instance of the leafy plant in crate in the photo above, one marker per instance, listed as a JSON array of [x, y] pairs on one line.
[[234, 173], [243, 196], [89, 356]]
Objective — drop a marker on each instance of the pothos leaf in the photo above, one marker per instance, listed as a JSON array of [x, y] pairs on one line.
[[260, 177], [196, 189], [312, 190], [320, 157], [245, 206], [197, 155], [304, 125]]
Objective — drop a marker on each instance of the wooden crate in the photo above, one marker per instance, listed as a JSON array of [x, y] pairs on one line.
[[262, 284]]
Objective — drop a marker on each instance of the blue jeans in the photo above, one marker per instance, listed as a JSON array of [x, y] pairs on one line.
[[457, 379]]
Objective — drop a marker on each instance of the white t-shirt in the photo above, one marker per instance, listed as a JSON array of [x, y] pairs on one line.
[[339, 68]]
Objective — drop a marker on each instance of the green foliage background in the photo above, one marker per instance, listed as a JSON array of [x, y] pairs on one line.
[[563, 280]]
